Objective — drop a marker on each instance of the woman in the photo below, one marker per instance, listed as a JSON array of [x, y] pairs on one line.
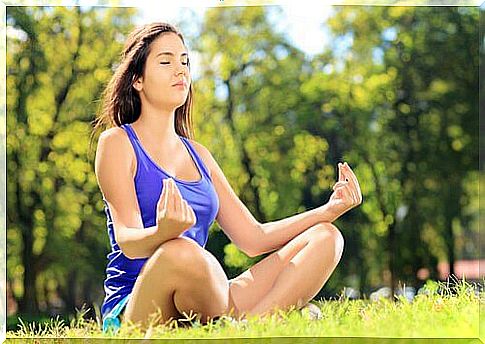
[[162, 191]]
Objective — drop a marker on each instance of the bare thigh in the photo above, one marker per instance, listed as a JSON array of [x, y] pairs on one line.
[[180, 276], [251, 286]]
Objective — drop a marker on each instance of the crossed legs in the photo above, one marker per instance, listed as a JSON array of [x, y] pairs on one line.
[[181, 276], [290, 276]]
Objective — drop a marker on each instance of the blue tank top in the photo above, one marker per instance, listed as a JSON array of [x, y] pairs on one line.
[[121, 271]]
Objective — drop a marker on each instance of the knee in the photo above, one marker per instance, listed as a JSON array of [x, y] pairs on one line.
[[194, 271], [328, 235], [183, 255]]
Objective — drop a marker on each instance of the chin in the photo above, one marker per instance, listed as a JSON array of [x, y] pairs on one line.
[[180, 101], [176, 105]]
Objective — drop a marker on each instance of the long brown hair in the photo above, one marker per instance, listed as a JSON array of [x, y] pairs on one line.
[[120, 102]]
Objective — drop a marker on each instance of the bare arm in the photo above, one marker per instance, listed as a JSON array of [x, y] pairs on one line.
[[115, 166], [278, 233], [252, 237]]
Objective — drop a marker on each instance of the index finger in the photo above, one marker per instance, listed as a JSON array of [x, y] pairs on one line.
[[353, 179]]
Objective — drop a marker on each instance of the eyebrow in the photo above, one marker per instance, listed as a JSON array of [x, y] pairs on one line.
[[170, 53]]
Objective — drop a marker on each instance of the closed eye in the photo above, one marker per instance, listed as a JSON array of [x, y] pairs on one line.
[[184, 63]]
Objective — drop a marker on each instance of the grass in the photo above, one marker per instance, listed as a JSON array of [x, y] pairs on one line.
[[443, 311]]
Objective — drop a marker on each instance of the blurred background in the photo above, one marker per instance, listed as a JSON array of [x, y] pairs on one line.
[[281, 96]]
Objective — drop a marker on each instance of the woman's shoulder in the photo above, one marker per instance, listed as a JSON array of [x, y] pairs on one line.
[[114, 138], [201, 149], [114, 145], [114, 133], [204, 154]]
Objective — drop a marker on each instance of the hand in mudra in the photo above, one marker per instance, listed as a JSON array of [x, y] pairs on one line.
[[174, 214], [346, 192]]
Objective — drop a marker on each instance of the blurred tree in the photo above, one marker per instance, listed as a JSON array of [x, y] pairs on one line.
[[58, 61], [408, 116]]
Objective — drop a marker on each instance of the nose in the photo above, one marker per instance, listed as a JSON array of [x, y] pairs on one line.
[[182, 69]]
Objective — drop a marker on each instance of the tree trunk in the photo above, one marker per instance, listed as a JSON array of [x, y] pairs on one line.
[[28, 302], [69, 294], [246, 161], [392, 252], [450, 242]]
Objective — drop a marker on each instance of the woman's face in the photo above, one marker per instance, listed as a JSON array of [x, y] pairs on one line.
[[165, 66]]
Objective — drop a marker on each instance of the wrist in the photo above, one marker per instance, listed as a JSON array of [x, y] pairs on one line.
[[154, 231], [325, 213]]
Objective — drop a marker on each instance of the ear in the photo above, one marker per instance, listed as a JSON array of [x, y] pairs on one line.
[[138, 84]]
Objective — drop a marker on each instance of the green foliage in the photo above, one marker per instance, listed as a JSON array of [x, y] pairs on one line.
[[235, 258], [408, 124], [59, 60]]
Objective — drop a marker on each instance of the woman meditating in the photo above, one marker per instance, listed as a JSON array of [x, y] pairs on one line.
[[162, 190]]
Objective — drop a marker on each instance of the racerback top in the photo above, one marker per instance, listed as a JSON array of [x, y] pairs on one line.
[[121, 271]]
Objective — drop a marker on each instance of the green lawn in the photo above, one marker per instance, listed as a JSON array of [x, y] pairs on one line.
[[440, 312]]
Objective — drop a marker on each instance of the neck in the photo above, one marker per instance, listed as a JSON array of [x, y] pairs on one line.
[[157, 124]]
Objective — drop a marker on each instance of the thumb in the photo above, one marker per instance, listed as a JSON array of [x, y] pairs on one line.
[[162, 201], [339, 184]]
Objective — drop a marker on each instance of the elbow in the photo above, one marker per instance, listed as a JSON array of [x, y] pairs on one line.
[[124, 246], [126, 251], [255, 248], [251, 253], [131, 254]]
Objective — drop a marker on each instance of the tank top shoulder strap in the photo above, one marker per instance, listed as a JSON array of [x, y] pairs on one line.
[[134, 141], [197, 158]]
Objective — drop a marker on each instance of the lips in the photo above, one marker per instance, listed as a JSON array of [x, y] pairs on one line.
[[181, 83]]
